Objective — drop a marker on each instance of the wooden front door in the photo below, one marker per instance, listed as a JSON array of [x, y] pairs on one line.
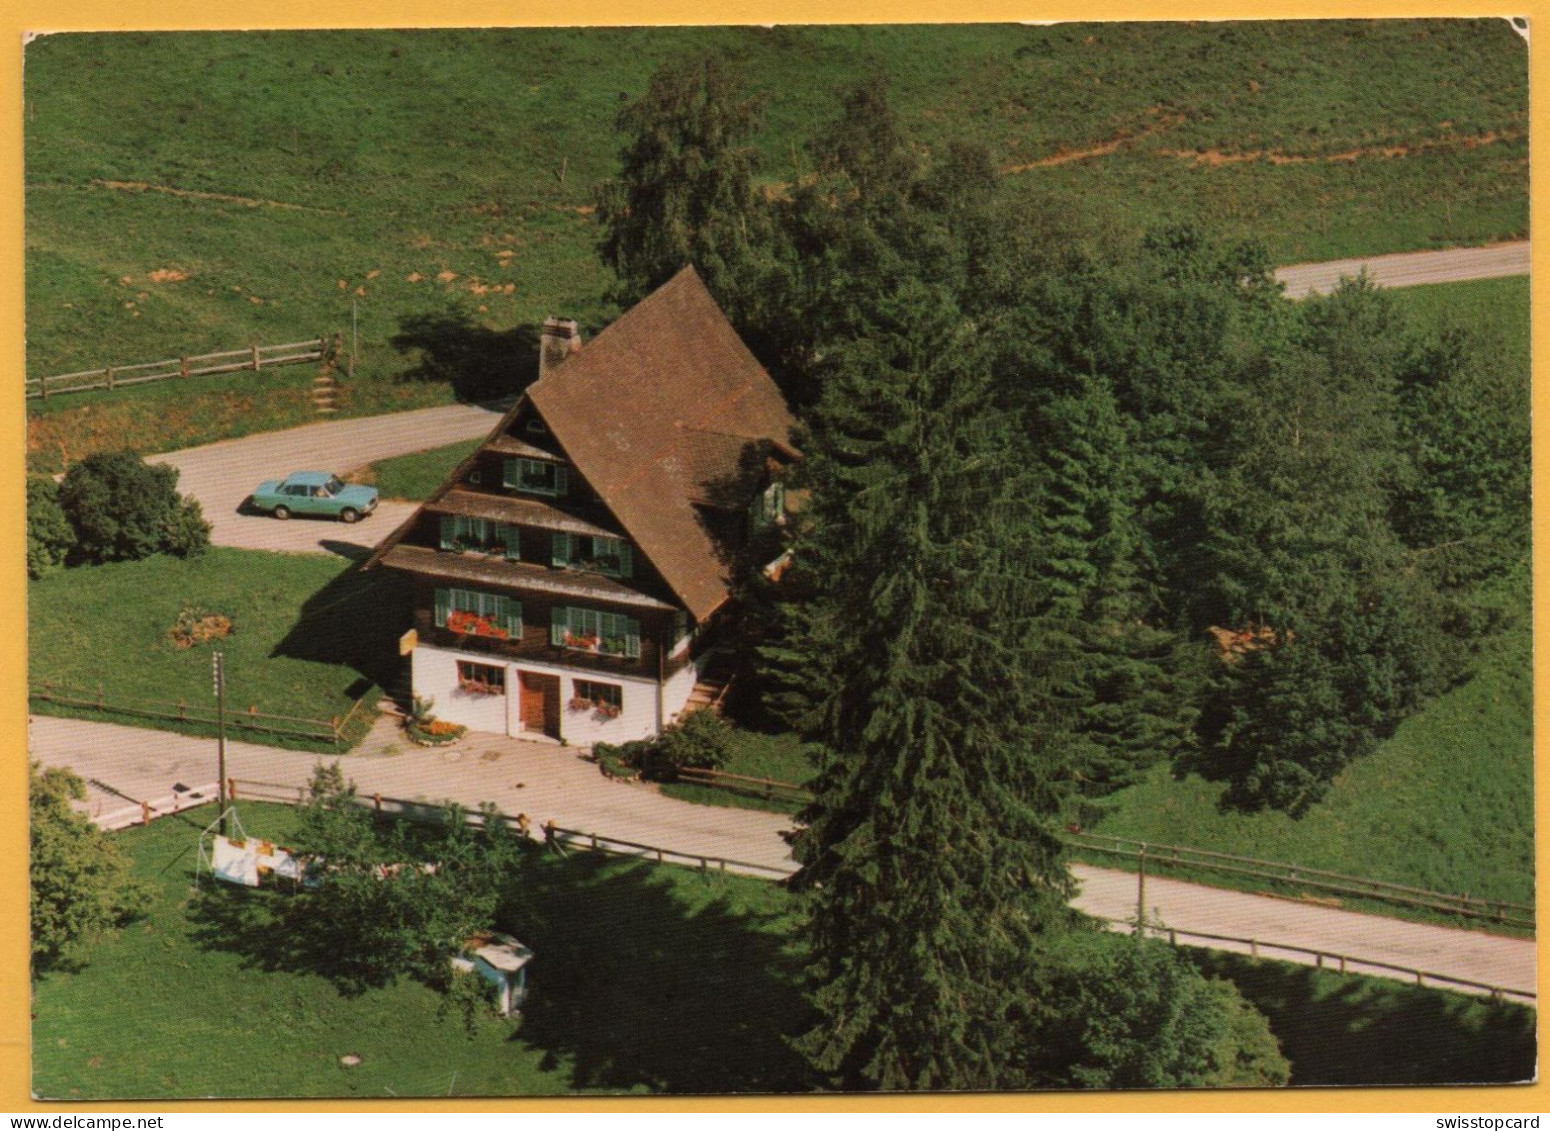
[[541, 703]]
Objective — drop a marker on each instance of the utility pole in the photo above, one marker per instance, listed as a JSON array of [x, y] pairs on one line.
[[1141, 892], [218, 675]]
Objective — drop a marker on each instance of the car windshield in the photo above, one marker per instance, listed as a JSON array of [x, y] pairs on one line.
[[334, 486]]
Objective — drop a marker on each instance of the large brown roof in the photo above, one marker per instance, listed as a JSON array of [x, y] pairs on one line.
[[664, 412], [632, 411]]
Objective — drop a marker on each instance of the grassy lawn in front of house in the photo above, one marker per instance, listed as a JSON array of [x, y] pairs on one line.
[[310, 636]]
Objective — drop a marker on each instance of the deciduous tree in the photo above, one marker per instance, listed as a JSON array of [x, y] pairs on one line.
[[81, 884]]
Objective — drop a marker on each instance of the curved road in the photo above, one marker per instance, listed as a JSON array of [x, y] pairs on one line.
[[222, 475], [553, 783]]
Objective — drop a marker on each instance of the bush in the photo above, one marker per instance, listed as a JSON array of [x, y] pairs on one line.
[[123, 509], [49, 537], [703, 741]]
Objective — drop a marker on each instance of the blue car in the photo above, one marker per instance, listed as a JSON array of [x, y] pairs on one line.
[[315, 492]]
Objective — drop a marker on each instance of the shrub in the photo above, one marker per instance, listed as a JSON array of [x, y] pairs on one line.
[[49, 536], [702, 741], [188, 533], [123, 509]]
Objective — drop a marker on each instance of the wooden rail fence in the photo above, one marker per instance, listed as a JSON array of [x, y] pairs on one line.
[[337, 731], [1147, 855], [767, 788], [552, 834], [1144, 854], [1326, 959], [254, 359], [564, 839]]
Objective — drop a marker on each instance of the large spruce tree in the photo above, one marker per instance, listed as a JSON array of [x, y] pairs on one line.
[[929, 862]]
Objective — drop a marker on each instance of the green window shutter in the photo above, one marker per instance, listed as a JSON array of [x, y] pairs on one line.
[[509, 473], [560, 548], [626, 559], [509, 613], [443, 606], [513, 539], [559, 621], [448, 531], [561, 480]]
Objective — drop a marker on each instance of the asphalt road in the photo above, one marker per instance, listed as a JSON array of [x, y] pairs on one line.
[[222, 475], [1409, 269], [553, 783]]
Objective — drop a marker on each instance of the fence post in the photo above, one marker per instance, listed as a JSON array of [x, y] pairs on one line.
[[109, 373], [145, 812], [376, 799], [231, 789], [182, 367], [1342, 964], [256, 362], [43, 387]]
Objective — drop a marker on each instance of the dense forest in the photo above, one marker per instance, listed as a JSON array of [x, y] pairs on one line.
[[1076, 504]]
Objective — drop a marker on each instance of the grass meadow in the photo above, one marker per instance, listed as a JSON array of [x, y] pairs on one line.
[[437, 186], [309, 636], [647, 979]]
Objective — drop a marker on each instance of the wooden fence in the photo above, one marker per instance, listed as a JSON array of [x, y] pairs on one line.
[[563, 839], [1146, 855], [560, 838], [1143, 854], [340, 732], [1325, 959], [254, 359], [766, 788]]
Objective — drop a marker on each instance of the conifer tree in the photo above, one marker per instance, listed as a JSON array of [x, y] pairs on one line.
[[929, 861]]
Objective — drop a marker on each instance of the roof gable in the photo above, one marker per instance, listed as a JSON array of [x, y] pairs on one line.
[[664, 412], [633, 409]]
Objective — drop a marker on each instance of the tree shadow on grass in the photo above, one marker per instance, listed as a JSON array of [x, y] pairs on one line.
[[632, 986], [355, 620], [1346, 1030], [633, 989], [479, 363]]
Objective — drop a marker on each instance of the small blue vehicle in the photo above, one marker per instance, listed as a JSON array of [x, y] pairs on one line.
[[315, 492]]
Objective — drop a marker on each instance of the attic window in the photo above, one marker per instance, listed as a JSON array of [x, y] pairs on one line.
[[536, 427], [537, 476]]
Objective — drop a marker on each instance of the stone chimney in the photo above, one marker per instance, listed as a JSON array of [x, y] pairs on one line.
[[560, 338]]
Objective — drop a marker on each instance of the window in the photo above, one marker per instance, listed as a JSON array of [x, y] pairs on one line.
[[537, 476], [472, 613], [480, 679], [475, 477], [770, 507], [600, 554], [607, 699], [459, 532], [588, 630], [536, 427]]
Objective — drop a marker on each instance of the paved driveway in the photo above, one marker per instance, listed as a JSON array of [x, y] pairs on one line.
[[221, 476]]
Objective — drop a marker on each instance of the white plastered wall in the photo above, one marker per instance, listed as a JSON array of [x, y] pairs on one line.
[[435, 675]]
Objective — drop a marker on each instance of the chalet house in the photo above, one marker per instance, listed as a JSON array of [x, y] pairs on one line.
[[568, 575]]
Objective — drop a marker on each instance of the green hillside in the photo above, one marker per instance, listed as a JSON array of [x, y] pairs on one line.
[[195, 191]]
